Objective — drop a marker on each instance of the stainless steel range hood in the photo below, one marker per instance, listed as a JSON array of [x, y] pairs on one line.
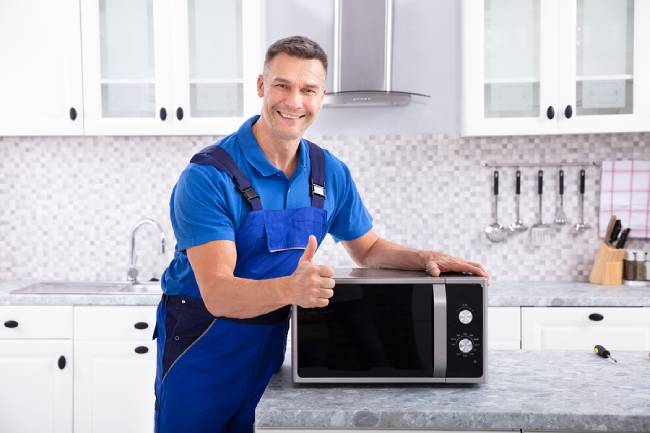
[[363, 55]]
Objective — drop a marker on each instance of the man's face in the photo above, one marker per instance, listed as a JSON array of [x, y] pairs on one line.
[[292, 91]]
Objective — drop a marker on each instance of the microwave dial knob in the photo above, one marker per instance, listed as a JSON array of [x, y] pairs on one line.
[[465, 317], [465, 345]]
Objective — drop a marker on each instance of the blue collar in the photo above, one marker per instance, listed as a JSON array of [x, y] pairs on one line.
[[256, 158]]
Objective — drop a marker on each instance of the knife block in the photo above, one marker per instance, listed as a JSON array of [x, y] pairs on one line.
[[608, 266]]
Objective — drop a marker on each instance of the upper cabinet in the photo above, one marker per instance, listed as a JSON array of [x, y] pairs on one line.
[[170, 67], [555, 66], [40, 77]]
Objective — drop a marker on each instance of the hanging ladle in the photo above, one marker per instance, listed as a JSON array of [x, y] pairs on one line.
[[495, 232]]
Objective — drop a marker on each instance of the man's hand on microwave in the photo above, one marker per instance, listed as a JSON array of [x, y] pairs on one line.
[[435, 263]]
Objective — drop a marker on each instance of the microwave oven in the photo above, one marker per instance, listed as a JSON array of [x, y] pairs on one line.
[[384, 326]]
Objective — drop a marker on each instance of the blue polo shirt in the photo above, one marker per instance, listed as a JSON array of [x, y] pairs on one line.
[[205, 204]]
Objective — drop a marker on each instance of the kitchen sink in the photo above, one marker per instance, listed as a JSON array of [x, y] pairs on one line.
[[90, 288]]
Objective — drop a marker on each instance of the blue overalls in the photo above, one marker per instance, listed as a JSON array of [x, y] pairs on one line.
[[212, 371]]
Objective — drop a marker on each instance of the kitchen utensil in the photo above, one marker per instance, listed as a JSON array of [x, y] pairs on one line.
[[495, 232], [620, 244], [610, 227], [518, 225], [581, 226], [603, 353], [616, 230], [539, 232], [560, 216]]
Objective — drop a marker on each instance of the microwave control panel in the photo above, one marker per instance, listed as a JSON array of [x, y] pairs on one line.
[[465, 329]]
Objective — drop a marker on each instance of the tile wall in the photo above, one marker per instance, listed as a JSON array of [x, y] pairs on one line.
[[67, 204]]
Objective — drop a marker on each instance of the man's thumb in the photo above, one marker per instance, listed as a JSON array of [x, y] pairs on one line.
[[310, 250]]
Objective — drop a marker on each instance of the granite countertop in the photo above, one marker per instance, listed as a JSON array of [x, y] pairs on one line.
[[500, 294], [554, 390]]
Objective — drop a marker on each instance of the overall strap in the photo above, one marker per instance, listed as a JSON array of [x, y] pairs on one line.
[[317, 178], [219, 158]]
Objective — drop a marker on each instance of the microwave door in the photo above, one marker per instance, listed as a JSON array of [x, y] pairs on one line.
[[369, 331]]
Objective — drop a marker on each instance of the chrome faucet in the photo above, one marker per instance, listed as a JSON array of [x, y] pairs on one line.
[[132, 273]]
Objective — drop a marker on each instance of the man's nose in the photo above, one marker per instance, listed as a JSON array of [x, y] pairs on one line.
[[294, 99]]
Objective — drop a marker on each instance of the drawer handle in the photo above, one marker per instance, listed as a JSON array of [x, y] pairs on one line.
[[11, 324], [596, 317], [141, 325], [141, 349], [62, 362]]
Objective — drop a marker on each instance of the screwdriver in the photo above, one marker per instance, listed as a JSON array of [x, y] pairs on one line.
[[603, 353]]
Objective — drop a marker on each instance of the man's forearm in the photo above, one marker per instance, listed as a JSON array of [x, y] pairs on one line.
[[242, 298], [386, 254]]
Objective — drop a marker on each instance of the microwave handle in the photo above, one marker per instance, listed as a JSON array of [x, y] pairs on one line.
[[439, 330]]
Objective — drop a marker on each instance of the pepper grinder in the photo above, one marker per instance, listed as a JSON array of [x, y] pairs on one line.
[[629, 266], [640, 265]]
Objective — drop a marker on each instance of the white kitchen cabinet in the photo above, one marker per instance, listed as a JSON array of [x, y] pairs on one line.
[[40, 78], [170, 67], [555, 66], [581, 328], [36, 369], [115, 368], [114, 386], [504, 328]]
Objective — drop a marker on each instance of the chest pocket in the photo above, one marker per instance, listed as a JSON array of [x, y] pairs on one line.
[[290, 229]]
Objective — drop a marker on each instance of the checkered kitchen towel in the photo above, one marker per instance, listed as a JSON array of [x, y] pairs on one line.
[[625, 192]]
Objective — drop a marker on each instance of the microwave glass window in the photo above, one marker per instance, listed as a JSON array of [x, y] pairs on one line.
[[369, 330]]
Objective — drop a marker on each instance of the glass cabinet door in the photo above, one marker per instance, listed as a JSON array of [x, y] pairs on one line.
[[215, 58], [126, 66], [511, 58], [509, 67], [604, 57], [213, 76], [128, 81], [601, 66]]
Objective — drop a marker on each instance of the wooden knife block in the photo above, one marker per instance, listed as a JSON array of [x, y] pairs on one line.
[[608, 266]]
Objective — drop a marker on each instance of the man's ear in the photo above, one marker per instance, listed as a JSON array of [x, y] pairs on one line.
[[260, 85]]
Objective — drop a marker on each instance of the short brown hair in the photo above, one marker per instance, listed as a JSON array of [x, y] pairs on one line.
[[297, 46]]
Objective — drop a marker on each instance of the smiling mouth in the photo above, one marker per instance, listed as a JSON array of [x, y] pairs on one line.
[[290, 116]]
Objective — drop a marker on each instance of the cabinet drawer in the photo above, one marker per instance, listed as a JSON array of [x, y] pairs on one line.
[[130, 323], [504, 328], [35, 322], [581, 328]]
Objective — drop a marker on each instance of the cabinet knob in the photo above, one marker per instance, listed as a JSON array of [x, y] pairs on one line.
[[568, 112], [550, 112], [163, 114], [141, 325], [141, 349], [179, 113], [62, 362], [11, 324], [596, 317], [73, 114]]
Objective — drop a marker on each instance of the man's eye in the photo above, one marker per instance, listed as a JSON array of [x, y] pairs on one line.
[[310, 91]]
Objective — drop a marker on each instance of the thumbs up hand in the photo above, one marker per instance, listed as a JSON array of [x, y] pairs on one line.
[[310, 250], [311, 285]]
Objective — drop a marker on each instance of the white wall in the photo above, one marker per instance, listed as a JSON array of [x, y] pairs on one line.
[[426, 59]]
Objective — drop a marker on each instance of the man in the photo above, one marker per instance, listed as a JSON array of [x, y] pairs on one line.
[[248, 214]]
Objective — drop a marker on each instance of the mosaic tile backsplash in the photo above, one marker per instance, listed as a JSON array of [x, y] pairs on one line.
[[68, 204]]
